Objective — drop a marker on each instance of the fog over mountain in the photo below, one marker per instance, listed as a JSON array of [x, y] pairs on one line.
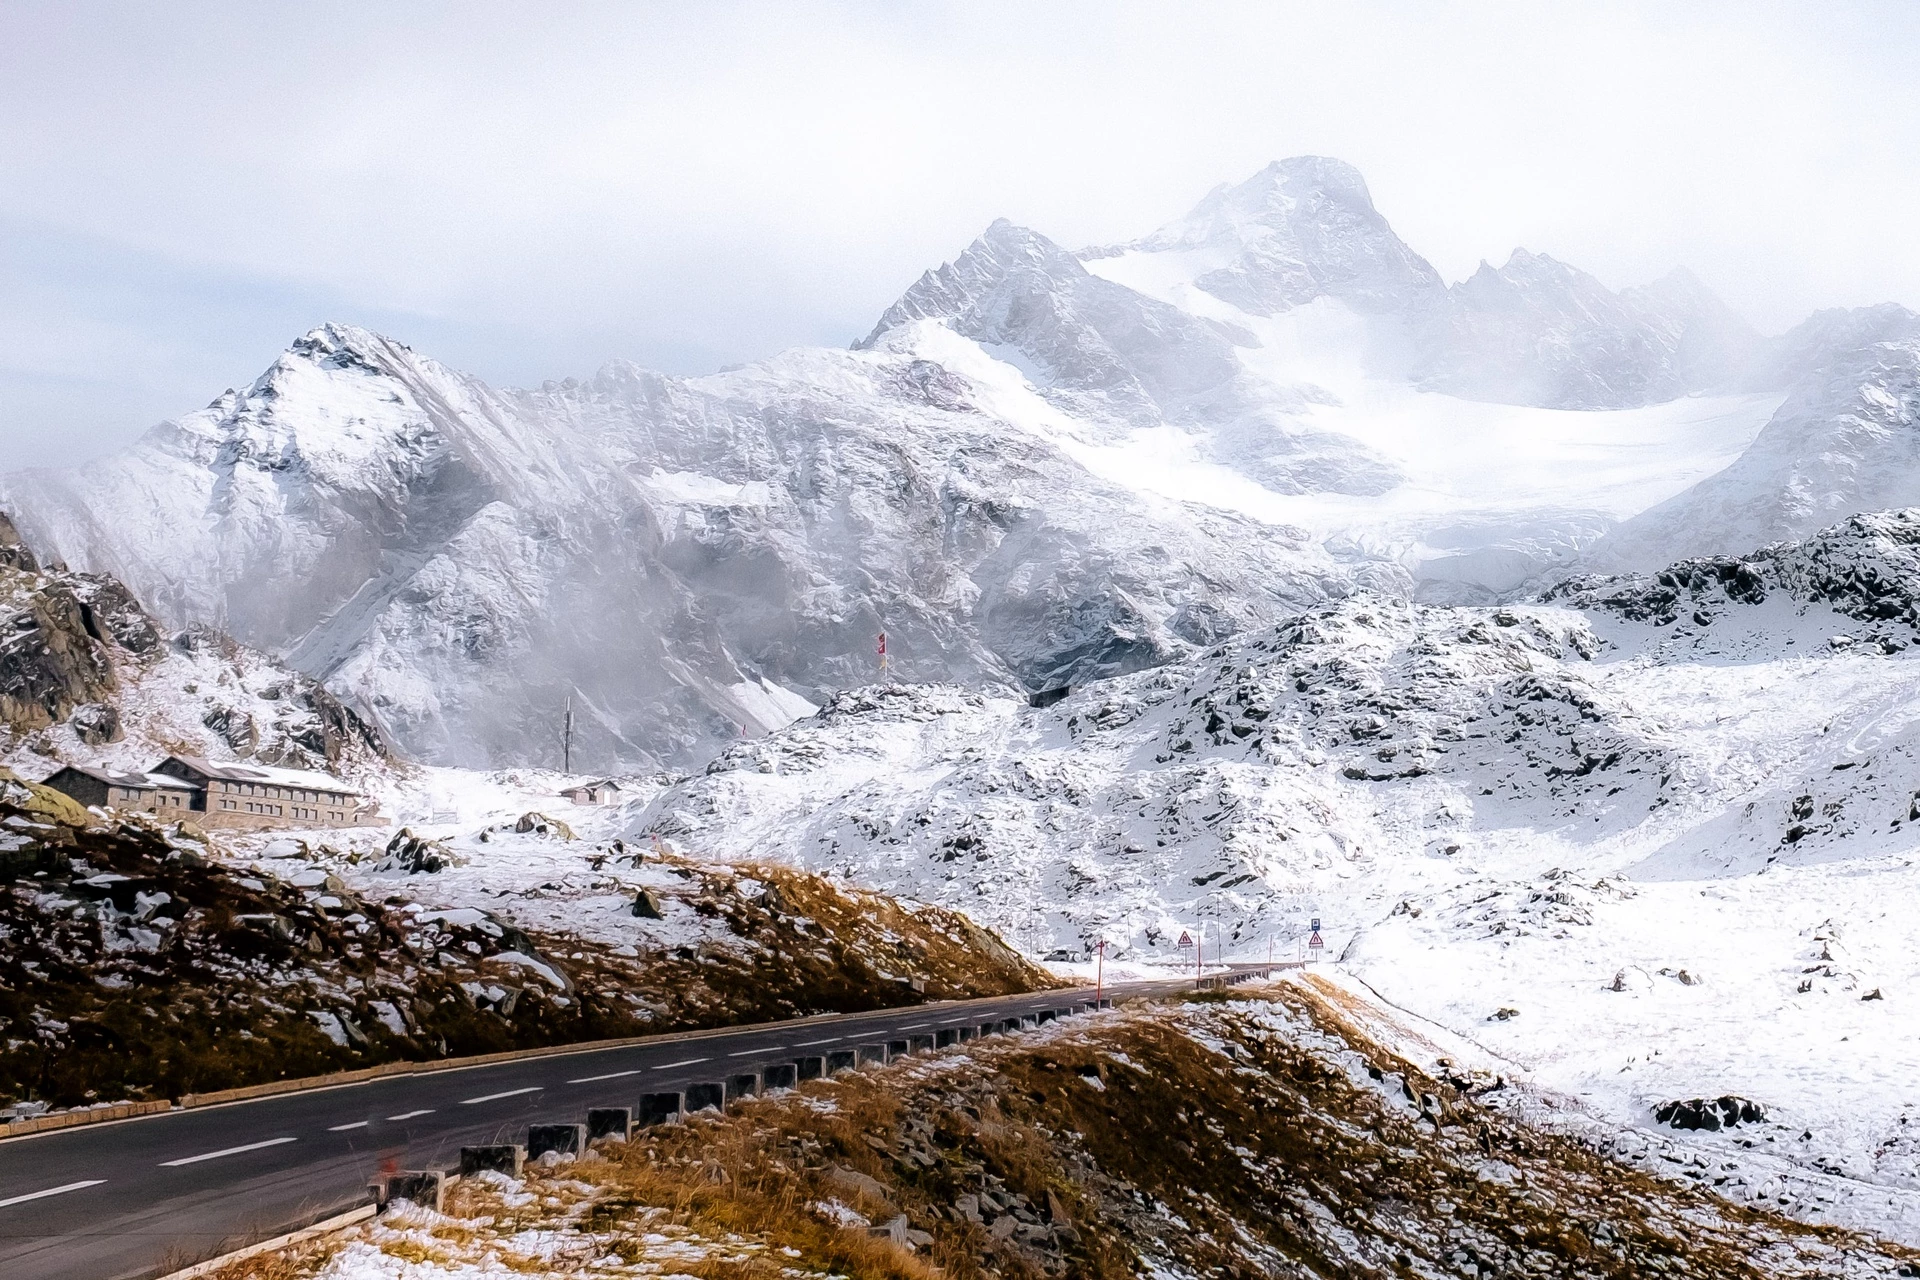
[[1040, 467]]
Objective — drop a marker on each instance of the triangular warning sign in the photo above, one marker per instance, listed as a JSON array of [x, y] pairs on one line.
[[1185, 941]]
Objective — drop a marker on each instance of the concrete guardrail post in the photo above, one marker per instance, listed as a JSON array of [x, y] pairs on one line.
[[708, 1093], [609, 1122], [842, 1060], [743, 1085], [568, 1139], [509, 1158], [809, 1068], [660, 1108], [945, 1037], [920, 1044], [780, 1076], [872, 1053], [964, 1034], [424, 1187]]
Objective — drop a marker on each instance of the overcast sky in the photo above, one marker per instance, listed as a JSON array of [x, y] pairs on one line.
[[525, 191]]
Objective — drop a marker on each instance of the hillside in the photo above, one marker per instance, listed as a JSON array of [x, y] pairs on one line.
[[140, 961]]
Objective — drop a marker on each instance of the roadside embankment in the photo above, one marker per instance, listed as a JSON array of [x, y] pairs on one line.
[[1222, 1135]]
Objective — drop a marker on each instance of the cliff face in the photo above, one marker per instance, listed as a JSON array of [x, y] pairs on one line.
[[54, 658]]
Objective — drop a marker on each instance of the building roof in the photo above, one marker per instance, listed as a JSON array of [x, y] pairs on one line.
[[265, 775], [144, 780]]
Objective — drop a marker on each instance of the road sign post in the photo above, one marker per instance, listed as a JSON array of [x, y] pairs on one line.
[[1315, 943]]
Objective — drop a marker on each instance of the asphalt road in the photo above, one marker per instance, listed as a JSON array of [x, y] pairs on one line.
[[140, 1198]]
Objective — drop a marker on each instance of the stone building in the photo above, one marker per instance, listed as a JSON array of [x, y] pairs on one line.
[[155, 792], [260, 796], [227, 794]]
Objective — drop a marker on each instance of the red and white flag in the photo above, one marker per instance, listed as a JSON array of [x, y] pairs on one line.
[[883, 644]]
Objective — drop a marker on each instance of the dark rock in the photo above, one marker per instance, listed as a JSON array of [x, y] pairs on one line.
[[96, 723], [1711, 1114], [646, 906]]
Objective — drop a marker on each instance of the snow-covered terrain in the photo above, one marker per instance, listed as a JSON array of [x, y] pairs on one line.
[[1643, 845]]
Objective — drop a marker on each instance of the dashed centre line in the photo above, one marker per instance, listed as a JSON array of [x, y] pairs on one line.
[[408, 1115], [808, 1044], [690, 1062], [342, 1128], [224, 1151], [51, 1191], [611, 1075], [748, 1053], [508, 1093]]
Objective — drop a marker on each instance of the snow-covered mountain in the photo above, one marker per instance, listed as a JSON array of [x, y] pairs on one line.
[[1041, 467], [1844, 441], [1537, 331], [686, 559]]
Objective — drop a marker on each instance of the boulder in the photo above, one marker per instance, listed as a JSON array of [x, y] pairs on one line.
[[1711, 1114]]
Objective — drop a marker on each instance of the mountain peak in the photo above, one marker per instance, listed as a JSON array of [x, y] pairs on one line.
[[1297, 230], [1003, 249]]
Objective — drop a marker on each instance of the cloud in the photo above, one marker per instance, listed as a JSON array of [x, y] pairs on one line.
[[527, 191]]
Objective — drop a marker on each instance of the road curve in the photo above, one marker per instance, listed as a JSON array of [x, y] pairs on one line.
[[135, 1199]]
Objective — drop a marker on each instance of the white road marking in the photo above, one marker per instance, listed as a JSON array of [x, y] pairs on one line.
[[611, 1075], [342, 1128], [510, 1093], [408, 1115], [914, 1026], [748, 1053], [51, 1191], [228, 1151], [668, 1066], [808, 1044]]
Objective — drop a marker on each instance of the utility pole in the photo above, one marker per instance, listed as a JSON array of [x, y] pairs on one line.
[[1099, 970], [567, 737]]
